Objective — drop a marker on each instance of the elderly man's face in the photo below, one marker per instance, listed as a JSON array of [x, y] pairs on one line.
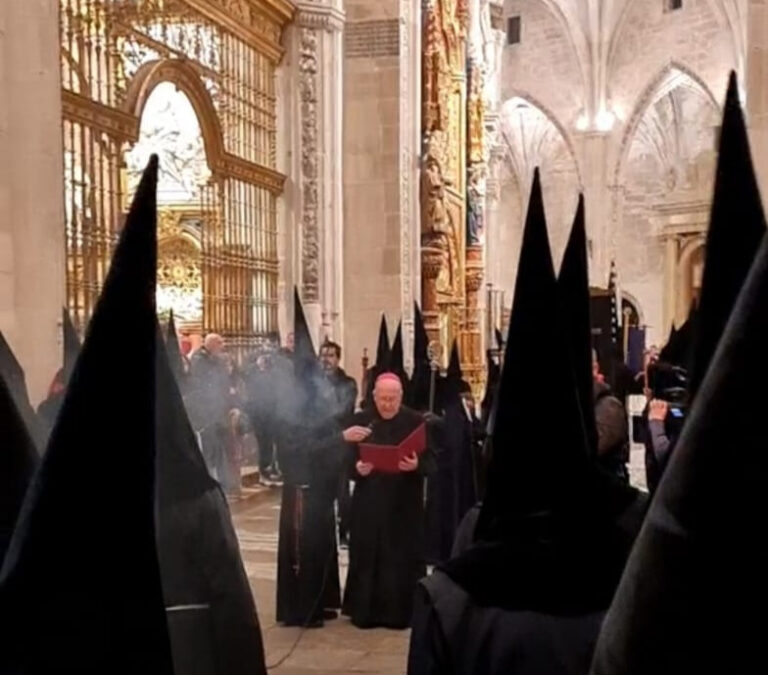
[[388, 397]]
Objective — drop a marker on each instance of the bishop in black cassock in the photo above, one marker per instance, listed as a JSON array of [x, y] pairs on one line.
[[386, 549]]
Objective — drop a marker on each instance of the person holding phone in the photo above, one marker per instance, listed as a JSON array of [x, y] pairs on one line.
[[661, 444]]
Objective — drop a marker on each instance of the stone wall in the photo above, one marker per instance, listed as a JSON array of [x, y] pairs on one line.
[[657, 66], [31, 188], [372, 244]]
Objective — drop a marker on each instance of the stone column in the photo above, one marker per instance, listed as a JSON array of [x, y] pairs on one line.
[[757, 87], [31, 188], [670, 286], [317, 68], [593, 146]]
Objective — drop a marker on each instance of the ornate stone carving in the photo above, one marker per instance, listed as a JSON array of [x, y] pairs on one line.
[[443, 184], [438, 226], [310, 236], [476, 194]]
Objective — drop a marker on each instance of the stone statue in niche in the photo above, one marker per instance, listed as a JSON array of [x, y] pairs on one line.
[[475, 206], [438, 230]]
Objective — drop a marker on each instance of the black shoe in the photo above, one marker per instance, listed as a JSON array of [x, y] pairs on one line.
[[330, 614]]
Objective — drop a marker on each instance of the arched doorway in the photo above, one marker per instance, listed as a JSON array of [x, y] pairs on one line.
[[170, 128], [115, 58]]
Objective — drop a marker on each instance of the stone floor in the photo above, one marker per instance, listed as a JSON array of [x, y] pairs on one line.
[[335, 649]]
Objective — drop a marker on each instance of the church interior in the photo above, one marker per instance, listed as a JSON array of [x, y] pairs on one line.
[[370, 158], [372, 154]]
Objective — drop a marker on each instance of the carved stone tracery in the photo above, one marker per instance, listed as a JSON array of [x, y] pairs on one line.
[[310, 235]]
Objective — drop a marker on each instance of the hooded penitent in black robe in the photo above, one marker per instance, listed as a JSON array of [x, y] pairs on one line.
[[212, 619], [736, 228], [311, 459], [451, 490], [80, 588], [693, 593], [15, 380], [18, 459], [386, 548], [528, 595], [381, 365]]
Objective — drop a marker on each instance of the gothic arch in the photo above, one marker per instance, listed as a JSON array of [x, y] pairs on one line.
[[651, 91], [551, 117], [186, 79]]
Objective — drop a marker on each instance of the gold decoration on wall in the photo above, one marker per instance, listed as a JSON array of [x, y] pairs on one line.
[[443, 183], [222, 54]]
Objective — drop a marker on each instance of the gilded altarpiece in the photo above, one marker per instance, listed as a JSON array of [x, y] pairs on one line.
[[443, 174], [222, 54]]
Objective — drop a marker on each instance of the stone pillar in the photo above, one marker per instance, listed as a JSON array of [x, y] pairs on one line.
[[381, 181], [317, 148], [31, 188], [593, 146], [757, 87], [670, 287]]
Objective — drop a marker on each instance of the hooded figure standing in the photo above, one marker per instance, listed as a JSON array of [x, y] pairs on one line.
[[80, 588], [529, 595], [311, 458], [212, 620]]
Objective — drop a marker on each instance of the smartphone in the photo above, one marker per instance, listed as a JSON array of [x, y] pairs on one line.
[[676, 412]]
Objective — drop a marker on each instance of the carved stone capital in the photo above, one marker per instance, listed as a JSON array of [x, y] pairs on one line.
[[320, 17]]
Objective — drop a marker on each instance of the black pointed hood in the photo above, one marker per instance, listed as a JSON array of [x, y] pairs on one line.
[[736, 227], [454, 363], [383, 350], [181, 470], [173, 351], [18, 459], [71, 344], [701, 553], [531, 475], [420, 336], [418, 393], [100, 607], [304, 349], [573, 291], [493, 371], [396, 354], [397, 359], [193, 515], [546, 539]]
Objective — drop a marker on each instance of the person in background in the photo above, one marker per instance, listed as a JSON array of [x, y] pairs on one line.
[[387, 542], [659, 444], [612, 427], [211, 393], [344, 396], [262, 402]]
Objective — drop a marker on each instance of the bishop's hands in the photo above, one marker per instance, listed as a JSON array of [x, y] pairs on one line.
[[364, 469], [408, 464], [356, 434]]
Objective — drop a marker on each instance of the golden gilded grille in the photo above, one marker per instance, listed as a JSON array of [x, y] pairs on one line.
[[222, 54]]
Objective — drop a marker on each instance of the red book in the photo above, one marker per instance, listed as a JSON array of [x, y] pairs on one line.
[[385, 458]]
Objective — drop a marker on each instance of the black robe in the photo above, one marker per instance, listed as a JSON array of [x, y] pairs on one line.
[[311, 459], [453, 635], [212, 619], [386, 548]]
